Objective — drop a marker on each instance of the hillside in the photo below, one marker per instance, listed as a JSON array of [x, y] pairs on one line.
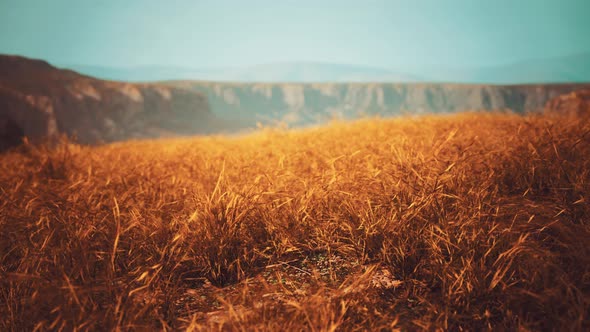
[[460, 222], [40, 101], [573, 68]]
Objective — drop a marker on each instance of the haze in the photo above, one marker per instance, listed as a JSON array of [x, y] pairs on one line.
[[408, 37]]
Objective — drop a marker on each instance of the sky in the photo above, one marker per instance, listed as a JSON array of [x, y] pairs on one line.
[[223, 33]]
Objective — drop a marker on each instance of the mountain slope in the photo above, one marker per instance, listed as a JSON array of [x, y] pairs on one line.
[[41, 101]]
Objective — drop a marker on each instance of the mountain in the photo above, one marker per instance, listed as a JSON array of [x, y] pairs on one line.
[[276, 72], [300, 104], [40, 101], [565, 69], [301, 72], [141, 73]]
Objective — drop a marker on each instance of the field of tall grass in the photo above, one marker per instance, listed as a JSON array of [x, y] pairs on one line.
[[458, 222]]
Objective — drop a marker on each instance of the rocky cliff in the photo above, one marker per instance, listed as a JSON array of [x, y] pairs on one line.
[[299, 104], [40, 101]]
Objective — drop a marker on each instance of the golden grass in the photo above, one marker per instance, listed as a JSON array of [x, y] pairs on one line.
[[463, 222]]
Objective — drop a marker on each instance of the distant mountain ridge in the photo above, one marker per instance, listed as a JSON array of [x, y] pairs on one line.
[[565, 69], [39, 101], [295, 72]]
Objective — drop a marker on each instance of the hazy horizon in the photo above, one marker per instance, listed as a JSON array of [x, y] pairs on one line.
[[222, 34]]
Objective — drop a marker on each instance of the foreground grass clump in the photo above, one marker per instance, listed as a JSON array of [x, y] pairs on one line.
[[472, 221]]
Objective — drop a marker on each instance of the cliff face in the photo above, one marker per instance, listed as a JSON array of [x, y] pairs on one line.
[[40, 101], [297, 104]]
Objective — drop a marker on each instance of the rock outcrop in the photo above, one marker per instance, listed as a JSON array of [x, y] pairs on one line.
[[40, 101]]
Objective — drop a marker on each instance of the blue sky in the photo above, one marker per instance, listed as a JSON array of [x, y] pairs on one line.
[[223, 33]]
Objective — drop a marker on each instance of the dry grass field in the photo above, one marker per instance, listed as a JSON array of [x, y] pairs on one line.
[[450, 222]]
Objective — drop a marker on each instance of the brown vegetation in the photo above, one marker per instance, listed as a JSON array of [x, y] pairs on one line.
[[576, 104], [463, 222]]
